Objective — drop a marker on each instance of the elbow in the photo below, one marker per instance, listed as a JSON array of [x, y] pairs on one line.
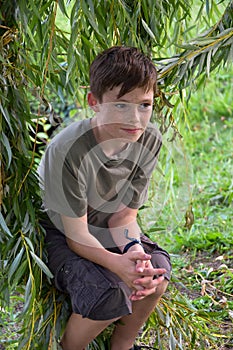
[[71, 244], [121, 217], [115, 219]]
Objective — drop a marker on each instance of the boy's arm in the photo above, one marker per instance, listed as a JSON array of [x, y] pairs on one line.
[[126, 219], [81, 241], [124, 227]]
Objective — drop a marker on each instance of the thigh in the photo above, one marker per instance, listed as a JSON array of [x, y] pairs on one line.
[[94, 291]]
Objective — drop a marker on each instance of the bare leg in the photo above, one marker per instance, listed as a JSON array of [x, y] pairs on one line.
[[81, 331], [127, 330]]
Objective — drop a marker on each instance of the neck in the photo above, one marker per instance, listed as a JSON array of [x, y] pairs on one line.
[[109, 146]]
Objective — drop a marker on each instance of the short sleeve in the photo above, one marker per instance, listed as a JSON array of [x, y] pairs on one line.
[[64, 189]]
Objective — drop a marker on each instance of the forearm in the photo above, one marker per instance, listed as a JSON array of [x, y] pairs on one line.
[[80, 241], [124, 234], [84, 244], [95, 252], [124, 227]]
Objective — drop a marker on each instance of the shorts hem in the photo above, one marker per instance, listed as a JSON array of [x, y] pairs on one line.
[[120, 312]]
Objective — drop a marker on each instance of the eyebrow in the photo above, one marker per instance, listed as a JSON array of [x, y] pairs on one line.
[[142, 101]]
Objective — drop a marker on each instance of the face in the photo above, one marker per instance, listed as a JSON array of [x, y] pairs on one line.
[[124, 118]]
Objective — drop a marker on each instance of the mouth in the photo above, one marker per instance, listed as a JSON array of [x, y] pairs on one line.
[[132, 130]]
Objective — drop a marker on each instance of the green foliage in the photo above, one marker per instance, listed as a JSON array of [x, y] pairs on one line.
[[44, 68], [204, 53], [201, 254]]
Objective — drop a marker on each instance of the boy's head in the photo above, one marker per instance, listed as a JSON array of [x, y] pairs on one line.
[[121, 66]]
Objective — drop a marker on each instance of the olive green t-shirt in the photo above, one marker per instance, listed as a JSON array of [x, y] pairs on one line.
[[78, 178]]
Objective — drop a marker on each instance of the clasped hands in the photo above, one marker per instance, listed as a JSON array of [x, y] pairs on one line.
[[139, 274]]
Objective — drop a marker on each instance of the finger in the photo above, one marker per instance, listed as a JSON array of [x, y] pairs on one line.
[[138, 255], [140, 265], [154, 272], [138, 287], [148, 282], [138, 295], [134, 295]]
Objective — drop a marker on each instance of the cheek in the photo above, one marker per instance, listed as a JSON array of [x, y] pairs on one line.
[[145, 119], [111, 117]]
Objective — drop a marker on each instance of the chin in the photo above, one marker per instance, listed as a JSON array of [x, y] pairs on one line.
[[133, 139]]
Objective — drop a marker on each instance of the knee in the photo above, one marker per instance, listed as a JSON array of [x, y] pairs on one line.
[[161, 288]]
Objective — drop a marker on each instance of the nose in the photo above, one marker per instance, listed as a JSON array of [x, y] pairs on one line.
[[133, 115]]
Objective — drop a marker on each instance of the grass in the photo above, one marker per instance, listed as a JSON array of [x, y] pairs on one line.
[[202, 255], [197, 310]]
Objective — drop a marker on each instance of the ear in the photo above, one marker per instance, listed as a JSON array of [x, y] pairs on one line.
[[92, 102]]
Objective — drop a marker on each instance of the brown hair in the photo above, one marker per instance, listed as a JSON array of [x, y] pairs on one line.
[[120, 65]]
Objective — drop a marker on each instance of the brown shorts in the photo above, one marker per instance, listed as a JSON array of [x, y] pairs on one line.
[[96, 292]]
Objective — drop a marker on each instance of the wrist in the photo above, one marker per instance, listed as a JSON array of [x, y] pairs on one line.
[[131, 244]]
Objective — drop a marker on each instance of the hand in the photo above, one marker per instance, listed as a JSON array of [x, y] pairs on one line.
[[125, 267], [147, 281]]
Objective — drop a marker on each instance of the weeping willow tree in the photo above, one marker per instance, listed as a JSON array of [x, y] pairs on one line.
[[44, 66]]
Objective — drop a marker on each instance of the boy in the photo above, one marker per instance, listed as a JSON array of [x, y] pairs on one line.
[[95, 177]]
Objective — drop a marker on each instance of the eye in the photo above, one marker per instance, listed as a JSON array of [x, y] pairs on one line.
[[145, 106], [120, 105]]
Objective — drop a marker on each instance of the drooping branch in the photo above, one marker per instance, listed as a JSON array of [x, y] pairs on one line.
[[201, 55]]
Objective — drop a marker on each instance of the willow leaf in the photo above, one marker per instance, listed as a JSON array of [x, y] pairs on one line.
[[202, 41], [62, 6], [28, 293], [20, 272], [6, 143], [225, 32], [190, 46], [230, 55], [172, 340], [87, 42], [4, 226], [201, 63], [41, 264], [27, 29], [7, 117], [91, 6], [228, 41], [90, 18], [207, 6], [15, 264], [147, 29], [208, 63], [216, 48], [145, 10], [168, 320], [29, 242]]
